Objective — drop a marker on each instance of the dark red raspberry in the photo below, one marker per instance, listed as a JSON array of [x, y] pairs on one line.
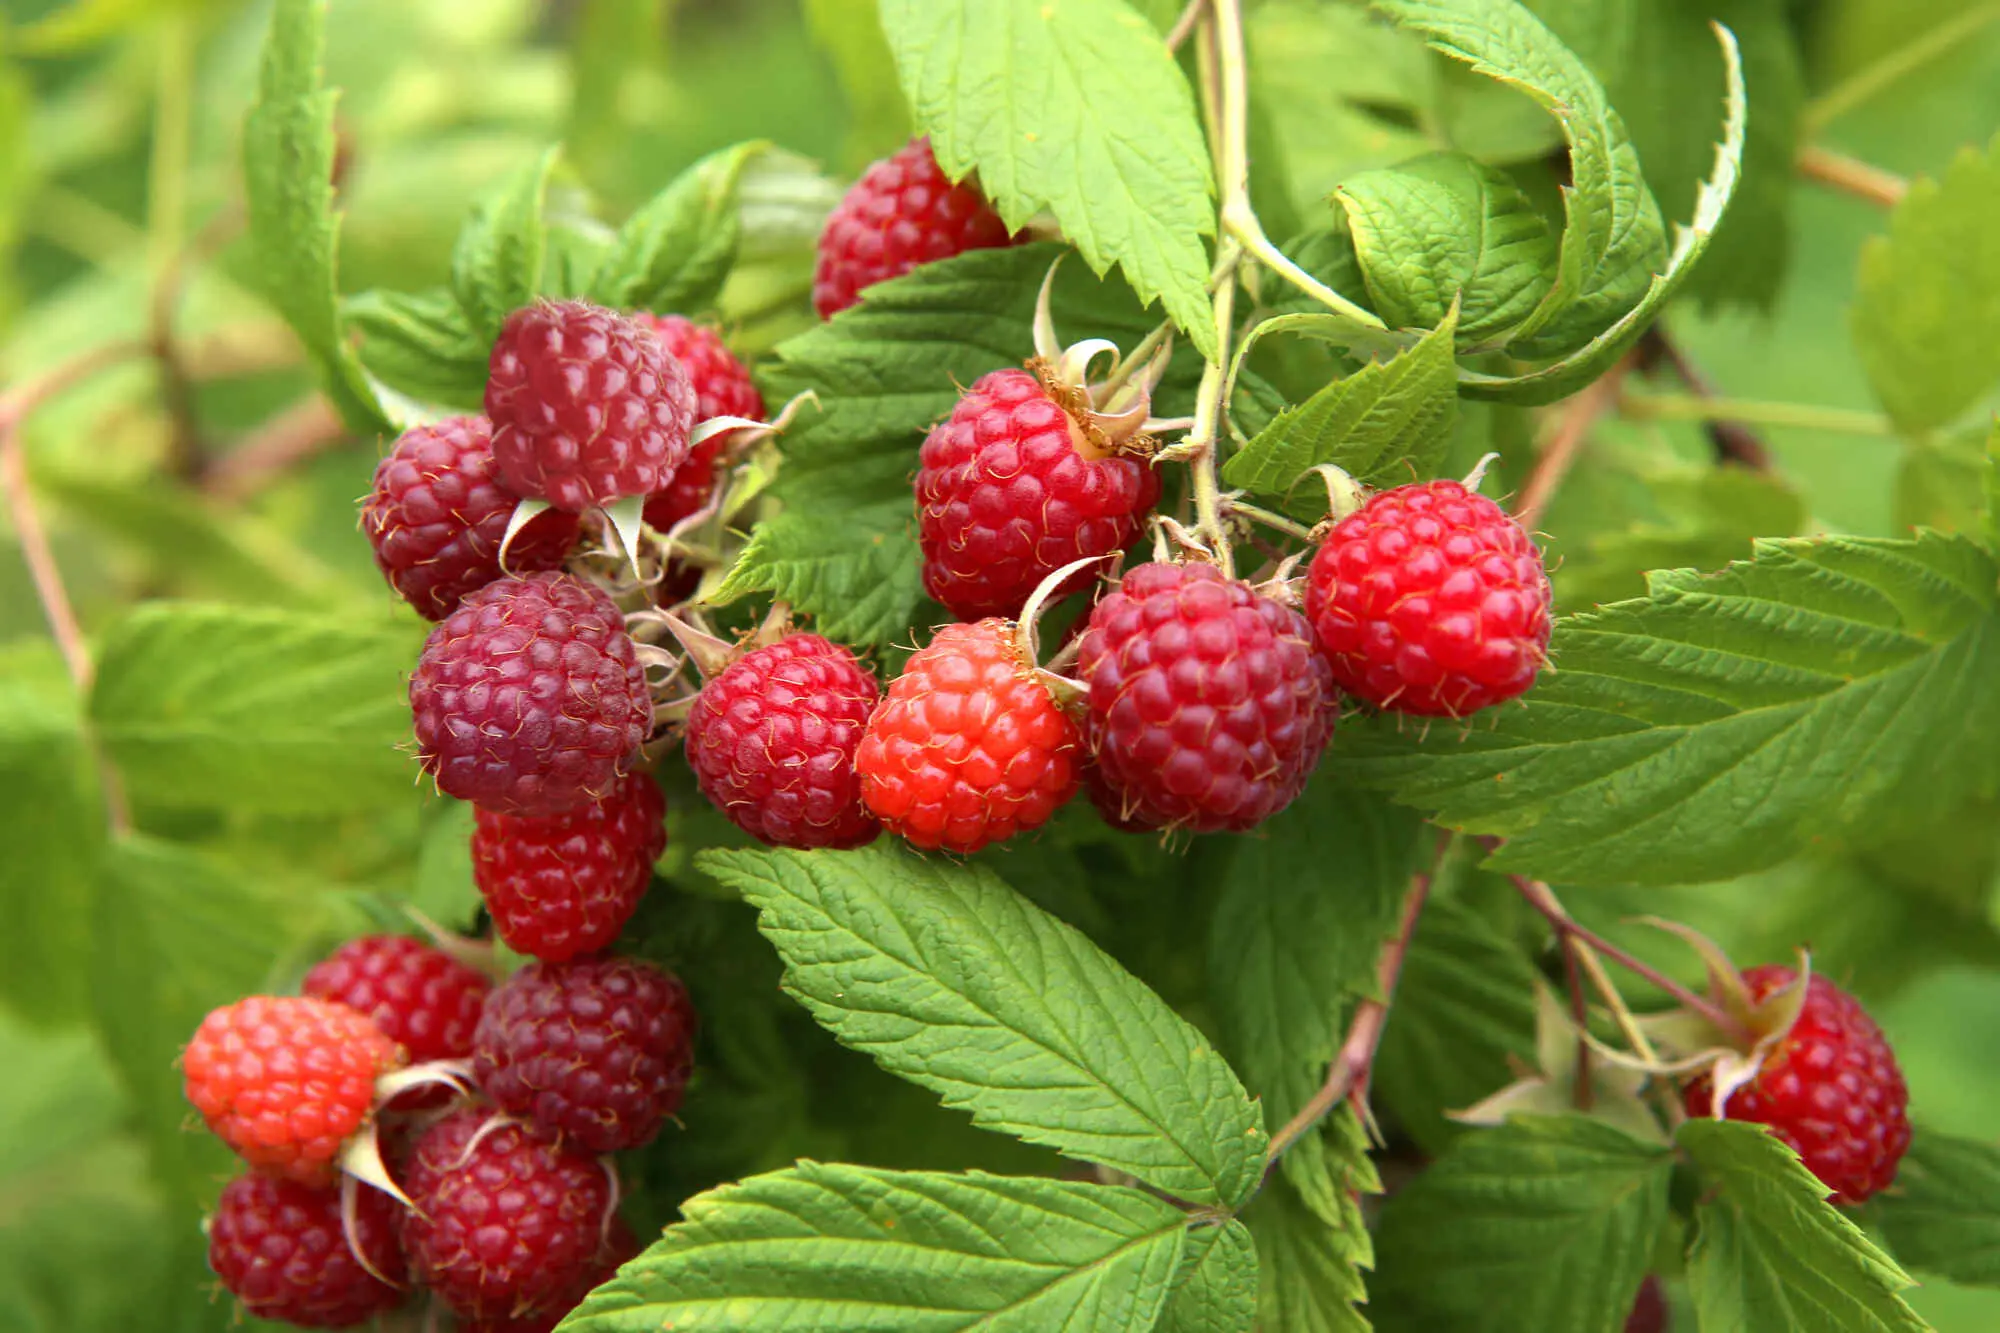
[[1831, 1090], [597, 1050], [1010, 490], [620, 1247], [723, 388], [1429, 599], [587, 406], [507, 1221], [562, 885], [438, 513], [772, 738], [1649, 1309], [421, 997], [1209, 706], [529, 699], [287, 1080], [282, 1249], [968, 748], [901, 213]]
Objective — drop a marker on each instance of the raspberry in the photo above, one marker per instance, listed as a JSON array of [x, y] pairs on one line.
[[1649, 1309], [1010, 490], [901, 213], [723, 388], [561, 885], [281, 1248], [1831, 1090], [438, 513], [529, 698], [420, 997], [1208, 704], [507, 1221], [619, 1247], [596, 1050], [285, 1080], [1429, 599], [969, 748], [587, 406], [772, 738]]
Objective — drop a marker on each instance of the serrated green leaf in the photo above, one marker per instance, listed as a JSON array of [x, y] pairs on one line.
[[1926, 324], [1216, 1291], [1077, 108], [256, 709], [859, 573], [496, 266], [1727, 720], [672, 255], [1383, 422], [1613, 239], [1943, 1215], [851, 1247], [1307, 1279], [1769, 1250], [1561, 1213], [420, 345], [955, 982], [1444, 230], [1561, 378], [1462, 1023], [1709, 517], [288, 151]]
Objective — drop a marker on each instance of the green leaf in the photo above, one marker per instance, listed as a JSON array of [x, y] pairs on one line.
[[1077, 108], [1943, 1216], [859, 572], [1380, 423], [1925, 322], [1307, 1277], [1769, 1250], [955, 982], [1561, 378], [1445, 230], [1709, 517], [421, 346], [288, 152], [256, 709], [1217, 1289], [1613, 240], [1463, 1021], [1560, 1213], [1727, 721], [1991, 488], [497, 264], [674, 252], [851, 1247]]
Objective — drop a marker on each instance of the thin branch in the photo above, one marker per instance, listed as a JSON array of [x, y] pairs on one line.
[[1732, 440], [1270, 520], [1572, 428], [1851, 175], [1184, 25], [301, 432], [1899, 64], [1579, 1012], [1798, 416]]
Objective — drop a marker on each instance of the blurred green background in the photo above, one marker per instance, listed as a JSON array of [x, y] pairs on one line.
[[208, 469]]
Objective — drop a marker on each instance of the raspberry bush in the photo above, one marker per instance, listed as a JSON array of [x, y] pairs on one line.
[[1115, 665]]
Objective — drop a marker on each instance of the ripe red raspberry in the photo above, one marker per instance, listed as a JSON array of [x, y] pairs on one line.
[[438, 513], [901, 213], [529, 698], [1010, 489], [507, 1221], [282, 1249], [1831, 1090], [597, 1050], [772, 738], [562, 885], [968, 748], [587, 406], [1429, 599], [420, 997], [722, 388], [285, 1080], [1209, 705], [619, 1247]]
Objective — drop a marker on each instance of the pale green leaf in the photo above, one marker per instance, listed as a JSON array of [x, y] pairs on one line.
[[1216, 1291], [1770, 1252], [288, 152], [859, 571], [1559, 1213], [420, 345], [1726, 721], [672, 255], [256, 709], [497, 263], [1076, 108], [1444, 230], [1943, 1215], [1307, 1278], [1927, 300], [1709, 516], [950, 979], [1990, 488], [871, 1251]]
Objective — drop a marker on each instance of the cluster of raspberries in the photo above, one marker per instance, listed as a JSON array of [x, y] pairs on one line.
[[487, 1109]]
